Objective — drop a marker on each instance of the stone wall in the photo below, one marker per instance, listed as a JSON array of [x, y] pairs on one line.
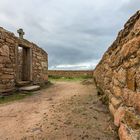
[[37, 61], [70, 73], [7, 60], [40, 65], [118, 77]]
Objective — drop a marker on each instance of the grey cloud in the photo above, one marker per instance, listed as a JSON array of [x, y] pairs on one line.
[[131, 6], [69, 55], [73, 32]]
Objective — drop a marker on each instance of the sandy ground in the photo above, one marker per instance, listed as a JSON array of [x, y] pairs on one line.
[[64, 111]]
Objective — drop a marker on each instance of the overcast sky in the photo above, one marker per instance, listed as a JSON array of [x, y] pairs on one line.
[[75, 33]]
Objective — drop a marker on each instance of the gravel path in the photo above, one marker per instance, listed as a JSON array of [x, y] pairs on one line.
[[65, 111]]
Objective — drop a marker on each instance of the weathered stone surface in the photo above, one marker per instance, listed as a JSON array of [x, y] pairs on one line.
[[30, 88], [116, 102], [117, 91], [118, 116], [132, 120], [4, 51], [131, 99], [120, 75], [10, 40], [7, 76], [131, 82], [123, 59], [112, 109], [138, 79], [2, 86], [124, 133]]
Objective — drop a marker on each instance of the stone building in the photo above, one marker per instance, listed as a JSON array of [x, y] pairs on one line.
[[118, 78], [21, 62]]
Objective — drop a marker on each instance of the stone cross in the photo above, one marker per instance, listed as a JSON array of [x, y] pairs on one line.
[[21, 33]]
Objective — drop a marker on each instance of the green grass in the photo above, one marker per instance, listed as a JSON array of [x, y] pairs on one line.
[[20, 95], [60, 78], [14, 97]]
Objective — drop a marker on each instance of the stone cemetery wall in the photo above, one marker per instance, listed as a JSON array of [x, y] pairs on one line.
[[40, 65], [70, 73], [37, 60], [7, 60], [118, 77]]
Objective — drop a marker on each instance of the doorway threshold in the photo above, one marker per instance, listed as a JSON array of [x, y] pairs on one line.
[[23, 83]]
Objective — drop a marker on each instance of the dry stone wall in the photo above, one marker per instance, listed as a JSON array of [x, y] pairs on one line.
[[71, 73], [7, 60], [118, 77], [38, 59], [40, 65]]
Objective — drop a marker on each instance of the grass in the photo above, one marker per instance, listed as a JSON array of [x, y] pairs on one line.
[[60, 78], [19, 95], [14, 97]]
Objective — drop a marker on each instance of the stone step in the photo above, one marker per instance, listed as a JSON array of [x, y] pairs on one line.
[[30, 88], [22, 83]]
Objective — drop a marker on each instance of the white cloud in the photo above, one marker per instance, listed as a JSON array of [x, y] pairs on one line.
[[80, 66]]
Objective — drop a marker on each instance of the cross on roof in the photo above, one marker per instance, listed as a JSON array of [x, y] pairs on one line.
[[21, 33]]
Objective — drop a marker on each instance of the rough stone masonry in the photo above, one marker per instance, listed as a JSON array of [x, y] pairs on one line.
[[118, 77], [20, 62]]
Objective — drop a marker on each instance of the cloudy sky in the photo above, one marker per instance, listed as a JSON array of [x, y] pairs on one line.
[[75, 33]]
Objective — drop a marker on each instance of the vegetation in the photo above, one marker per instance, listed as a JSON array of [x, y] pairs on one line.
[[18, 95], [14, 97], [60, 78]]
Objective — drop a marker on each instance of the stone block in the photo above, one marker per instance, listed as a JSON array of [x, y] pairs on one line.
[[4, 51], [121, 76], [116, 82], [1, 40], [8, 65], [118, 116], [131, 81], [124, 132], [1, 65], [2, 86], [7, 76], [132, 120], [112, 109], [138, 79], [131, 99], [130, 47], [39, 57], [117, 91], [10, 40], [116, 102], [30, 88]]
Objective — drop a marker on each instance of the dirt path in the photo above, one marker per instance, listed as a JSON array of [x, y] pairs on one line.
[[65, 111]]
